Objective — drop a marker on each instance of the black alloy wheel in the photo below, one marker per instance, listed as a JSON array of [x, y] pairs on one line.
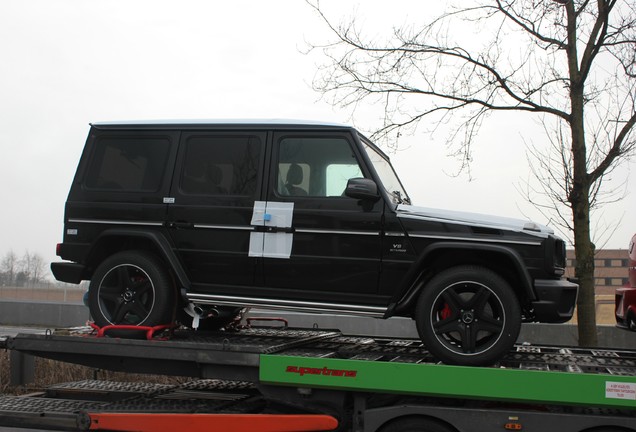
[[131, 288], [468, 315]]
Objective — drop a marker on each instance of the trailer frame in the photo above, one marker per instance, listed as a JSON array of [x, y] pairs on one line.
[[352, 383]]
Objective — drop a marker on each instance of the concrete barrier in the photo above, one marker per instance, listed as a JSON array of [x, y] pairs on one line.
[[42, 314]]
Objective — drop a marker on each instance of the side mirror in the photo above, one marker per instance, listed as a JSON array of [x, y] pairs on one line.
[[362, 188]]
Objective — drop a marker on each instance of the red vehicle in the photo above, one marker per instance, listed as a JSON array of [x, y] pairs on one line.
[[626, 297]]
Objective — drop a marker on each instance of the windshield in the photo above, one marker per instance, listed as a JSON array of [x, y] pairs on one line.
[[390, 181]]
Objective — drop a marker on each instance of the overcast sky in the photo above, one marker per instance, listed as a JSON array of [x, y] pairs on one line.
[[67, 63]]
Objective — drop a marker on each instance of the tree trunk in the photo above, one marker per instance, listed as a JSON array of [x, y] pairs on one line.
[[583, 246], [580, 194], [584, 271]]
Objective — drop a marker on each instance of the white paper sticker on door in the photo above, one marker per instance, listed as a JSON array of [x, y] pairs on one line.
[[273, 215]]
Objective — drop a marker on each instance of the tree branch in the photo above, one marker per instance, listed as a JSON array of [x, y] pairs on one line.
[[617, 150]]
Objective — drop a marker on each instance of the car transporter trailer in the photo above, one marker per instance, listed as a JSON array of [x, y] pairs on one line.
[[284, 379]]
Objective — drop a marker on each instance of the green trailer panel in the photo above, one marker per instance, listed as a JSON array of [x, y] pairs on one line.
[[451, 381]]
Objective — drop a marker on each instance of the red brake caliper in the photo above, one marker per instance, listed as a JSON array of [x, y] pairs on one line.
[[446, 312]]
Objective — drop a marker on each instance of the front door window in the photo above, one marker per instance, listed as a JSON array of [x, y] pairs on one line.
[[315, 167]]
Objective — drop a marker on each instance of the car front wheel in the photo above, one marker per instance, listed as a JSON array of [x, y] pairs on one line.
[[468, 315]]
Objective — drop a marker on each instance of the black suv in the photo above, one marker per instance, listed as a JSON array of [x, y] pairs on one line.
[[211, 217]]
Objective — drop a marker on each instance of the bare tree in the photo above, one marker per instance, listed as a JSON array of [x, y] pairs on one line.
[[9, 267], [32, 266], [38, 268], [571, 62]]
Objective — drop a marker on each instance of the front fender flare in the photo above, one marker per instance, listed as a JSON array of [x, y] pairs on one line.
[[409, 286]]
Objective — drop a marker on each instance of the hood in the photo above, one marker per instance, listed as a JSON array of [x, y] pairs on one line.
[[474, 219]]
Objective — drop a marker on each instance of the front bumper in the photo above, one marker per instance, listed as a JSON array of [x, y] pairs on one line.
[[555, 301]]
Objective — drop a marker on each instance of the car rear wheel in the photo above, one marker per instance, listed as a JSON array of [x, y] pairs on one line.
[[131, 288], [468, 315]]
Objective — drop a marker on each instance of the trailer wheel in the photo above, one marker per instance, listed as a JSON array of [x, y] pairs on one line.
[[468, 315], [131, 288], [416, 424]]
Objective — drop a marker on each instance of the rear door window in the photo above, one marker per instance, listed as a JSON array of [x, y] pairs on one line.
[[221, 165]]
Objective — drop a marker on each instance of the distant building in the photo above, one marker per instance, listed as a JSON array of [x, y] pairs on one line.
[[611, 267], [610, 272]]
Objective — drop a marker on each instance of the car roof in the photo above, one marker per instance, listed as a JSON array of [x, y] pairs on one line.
[[218, 123]]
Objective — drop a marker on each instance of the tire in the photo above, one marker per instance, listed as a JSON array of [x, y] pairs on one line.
[[416, 424], [468, 315], [131, 288]]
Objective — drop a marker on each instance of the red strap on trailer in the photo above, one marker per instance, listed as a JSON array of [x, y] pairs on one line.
[[141, 422], [150, 331]]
